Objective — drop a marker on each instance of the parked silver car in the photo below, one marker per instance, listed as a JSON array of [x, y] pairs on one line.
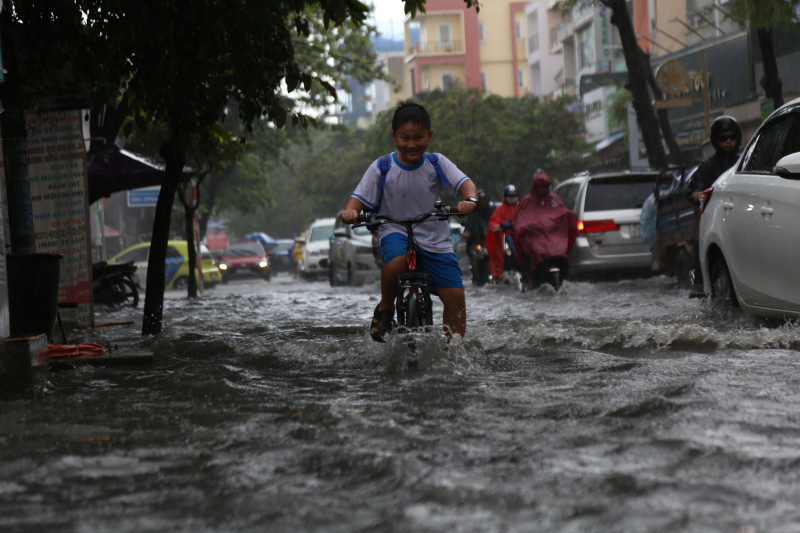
[[352, 260], [750, 223], [608, 207]]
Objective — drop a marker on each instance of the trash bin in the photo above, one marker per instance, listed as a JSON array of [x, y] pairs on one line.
[[33, 293]]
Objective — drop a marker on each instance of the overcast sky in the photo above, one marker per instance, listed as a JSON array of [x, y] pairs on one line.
[[389, 17]]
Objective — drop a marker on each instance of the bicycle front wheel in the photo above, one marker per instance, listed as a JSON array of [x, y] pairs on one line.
[[413, 318]]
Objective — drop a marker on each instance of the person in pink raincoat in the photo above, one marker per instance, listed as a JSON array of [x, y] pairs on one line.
[[544, 232]]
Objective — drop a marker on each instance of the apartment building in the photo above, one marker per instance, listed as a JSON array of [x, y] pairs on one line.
[[458, 45]]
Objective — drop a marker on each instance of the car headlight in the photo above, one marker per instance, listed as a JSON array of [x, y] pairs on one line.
[[223, 266], [363, 250], [314, 252], [263, 264]]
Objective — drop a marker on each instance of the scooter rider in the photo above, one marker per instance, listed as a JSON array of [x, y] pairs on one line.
[[495, 235], [478, 223], [726, 138]]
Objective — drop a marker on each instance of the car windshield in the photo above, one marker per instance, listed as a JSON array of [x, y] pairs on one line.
[[321, 233], [250, 248], [624, 192], [283, 247], [361, 230]]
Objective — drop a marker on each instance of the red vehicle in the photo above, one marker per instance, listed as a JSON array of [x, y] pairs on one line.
[[244, 258]]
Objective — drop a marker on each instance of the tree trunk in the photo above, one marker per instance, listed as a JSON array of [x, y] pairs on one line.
[[675, 155], [189, 208], [638, 72], [173, 153], [771, 82]]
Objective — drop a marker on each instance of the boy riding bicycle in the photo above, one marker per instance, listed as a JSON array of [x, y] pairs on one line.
[[412, 185]]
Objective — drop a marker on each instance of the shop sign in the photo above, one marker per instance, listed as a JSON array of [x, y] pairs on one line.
[[59, 202]]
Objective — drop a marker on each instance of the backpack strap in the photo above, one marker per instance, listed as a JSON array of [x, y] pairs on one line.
[[384, 164], [434, 159]]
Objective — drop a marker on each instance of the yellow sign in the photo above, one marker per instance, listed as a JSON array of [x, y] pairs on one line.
[[673, 103], [672, 77]]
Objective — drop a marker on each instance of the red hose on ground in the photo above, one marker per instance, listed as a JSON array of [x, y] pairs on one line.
[[73, 351]]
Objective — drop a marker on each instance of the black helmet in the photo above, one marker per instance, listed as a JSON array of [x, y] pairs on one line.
[[510, 191], [482, 195], [725, 123]]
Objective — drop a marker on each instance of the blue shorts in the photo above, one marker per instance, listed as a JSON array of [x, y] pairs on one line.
[[444, 270]]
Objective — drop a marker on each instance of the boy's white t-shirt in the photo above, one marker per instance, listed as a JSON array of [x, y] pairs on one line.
[[409, 192]]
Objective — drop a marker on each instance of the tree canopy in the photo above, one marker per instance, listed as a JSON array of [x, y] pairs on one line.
[[494, 140]]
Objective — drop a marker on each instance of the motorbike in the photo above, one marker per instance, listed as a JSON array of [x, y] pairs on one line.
[[479, 265], [552, 270], [115, 284]]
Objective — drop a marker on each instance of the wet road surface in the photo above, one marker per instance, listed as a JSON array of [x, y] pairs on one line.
[[616, 406]]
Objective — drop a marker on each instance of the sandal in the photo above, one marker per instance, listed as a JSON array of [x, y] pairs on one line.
[[382, 323]]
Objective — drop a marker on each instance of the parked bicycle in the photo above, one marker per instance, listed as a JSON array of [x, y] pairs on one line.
[[413, 306]]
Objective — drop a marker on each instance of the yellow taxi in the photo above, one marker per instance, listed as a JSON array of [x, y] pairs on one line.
[[177, 264]]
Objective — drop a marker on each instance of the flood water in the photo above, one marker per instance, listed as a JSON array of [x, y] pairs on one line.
[[610, 407]]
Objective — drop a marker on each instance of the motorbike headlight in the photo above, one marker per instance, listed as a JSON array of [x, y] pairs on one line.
[[223, 266], [263, 264]]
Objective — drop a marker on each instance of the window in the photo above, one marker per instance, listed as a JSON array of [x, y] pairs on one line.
[[792, 143], [627, 192], [173, 253], [321, 233], [138, 255], [518, 26], [444, 34], [585, 47], [484, 80], [761, 155], [482, 31], [426, 82], [521, 78], [569, 194], [448, 80]]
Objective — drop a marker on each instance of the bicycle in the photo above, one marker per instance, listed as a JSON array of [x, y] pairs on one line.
[[413, 306]]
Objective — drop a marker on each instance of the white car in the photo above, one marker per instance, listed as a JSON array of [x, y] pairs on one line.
[[352, 260], [315, 261], [608, 207], [750, 223]]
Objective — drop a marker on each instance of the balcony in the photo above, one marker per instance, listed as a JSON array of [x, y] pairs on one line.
[[533, 44], [559, 34], [437, 48]]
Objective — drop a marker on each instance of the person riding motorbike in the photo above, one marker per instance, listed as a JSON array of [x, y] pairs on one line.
[[478, 223], [544, 231], [495, 235], [475, 234], [726, 138]]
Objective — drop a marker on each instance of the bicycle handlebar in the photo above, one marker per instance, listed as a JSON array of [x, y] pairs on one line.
[[368, 218]]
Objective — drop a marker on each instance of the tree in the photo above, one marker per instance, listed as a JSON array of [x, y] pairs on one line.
[[175, 62], [640, 77], [764, 16]]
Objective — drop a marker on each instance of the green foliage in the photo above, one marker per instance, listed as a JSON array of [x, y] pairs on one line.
[[765, 14], [494, 140]]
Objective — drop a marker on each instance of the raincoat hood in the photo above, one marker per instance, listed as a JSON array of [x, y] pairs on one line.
[[540, 179]]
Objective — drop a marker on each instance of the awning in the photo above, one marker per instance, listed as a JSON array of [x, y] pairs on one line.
[[108, 231], [608, 141], [114, 169]]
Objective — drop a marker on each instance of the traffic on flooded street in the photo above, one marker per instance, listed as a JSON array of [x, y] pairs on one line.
[[608, 406]]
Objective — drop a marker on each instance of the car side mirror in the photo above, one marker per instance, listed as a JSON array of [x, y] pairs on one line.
[[788, 167], [340, 232]]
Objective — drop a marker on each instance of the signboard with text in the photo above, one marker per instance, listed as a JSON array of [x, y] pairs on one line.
[[59, 201], [144, 197]]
